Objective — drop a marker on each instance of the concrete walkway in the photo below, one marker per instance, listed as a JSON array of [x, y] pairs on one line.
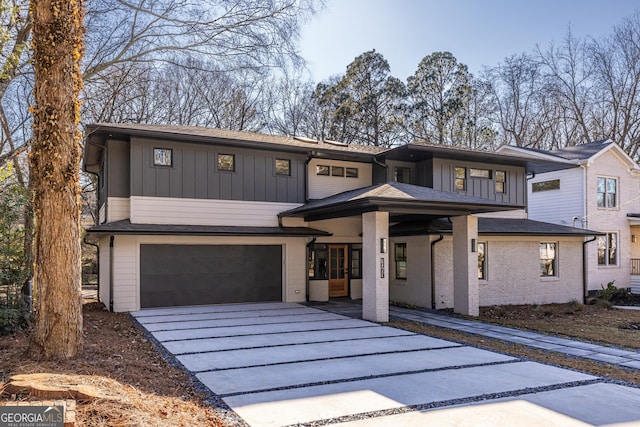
[[285, 364], [600, 353]]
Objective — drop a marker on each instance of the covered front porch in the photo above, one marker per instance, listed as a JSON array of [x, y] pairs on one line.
[[380, 206]]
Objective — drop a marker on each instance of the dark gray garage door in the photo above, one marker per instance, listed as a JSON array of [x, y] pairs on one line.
[[206, 274]]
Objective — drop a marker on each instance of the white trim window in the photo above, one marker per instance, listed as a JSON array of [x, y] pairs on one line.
[[608, 249], [548, 259], [607, 192]]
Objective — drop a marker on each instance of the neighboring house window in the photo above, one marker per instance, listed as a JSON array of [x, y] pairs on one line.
[[162, 157], [356, 262], [548, 259], [317, 262], [283, 167], [322, 170], [482, 260], [351, 172], [227, 162], [337, 171], [553, 184], [501, 179], [461, 178], [402, 174], [607, 190], [401, 260], [608, 249], [480, 173]]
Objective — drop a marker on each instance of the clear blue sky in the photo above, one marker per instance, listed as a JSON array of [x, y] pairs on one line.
[[477, 32]]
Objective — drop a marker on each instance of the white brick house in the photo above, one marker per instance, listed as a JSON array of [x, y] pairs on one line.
[[602, 193]]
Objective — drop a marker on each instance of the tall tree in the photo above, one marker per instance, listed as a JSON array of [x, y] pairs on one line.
[[58, 33], [438, 93], [365, 102]]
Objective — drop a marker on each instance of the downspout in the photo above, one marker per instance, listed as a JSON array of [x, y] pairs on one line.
[[585, 284], [313, 241], [111, 238], [433, 271]]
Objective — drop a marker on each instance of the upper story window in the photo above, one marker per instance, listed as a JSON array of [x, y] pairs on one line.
[[479, 173], [162, 157], [283, 167], [501, 180], [553, 184], [607, 190], [351, 172], [608, 249], [461, 178], [337, 171], [402, 174], [227, 162], [548, 259], [322, 170]]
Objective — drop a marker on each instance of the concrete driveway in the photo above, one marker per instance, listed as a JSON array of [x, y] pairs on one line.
[[282, 364]]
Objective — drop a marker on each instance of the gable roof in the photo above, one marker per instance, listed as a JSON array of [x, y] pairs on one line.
[[582, 151], [398, 199]]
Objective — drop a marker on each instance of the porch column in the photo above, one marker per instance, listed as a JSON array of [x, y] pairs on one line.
[[375, 267], [465, 265]]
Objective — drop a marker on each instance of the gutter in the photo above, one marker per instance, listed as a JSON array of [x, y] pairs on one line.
[[433, 271], [585, 284]]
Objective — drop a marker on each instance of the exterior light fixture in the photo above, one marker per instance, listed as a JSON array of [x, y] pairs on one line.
[[474, 245], [383, 245]]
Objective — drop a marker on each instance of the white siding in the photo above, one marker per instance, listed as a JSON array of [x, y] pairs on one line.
[[102, 214], [166, 210], [558, 206], [117, 208], [325, 186], [517, 214], [126, 277]]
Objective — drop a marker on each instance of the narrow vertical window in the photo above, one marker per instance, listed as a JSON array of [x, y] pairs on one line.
[[548, 259], [401, 260], [608, 249], [461, 178], [356, 262], [482, 260], [501, 179], [317, 262], [607, 192]]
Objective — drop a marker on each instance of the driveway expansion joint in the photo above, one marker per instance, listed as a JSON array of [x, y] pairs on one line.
[[447, 403], [349, 356]]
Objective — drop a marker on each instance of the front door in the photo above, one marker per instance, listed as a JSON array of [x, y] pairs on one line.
[[338, 271]]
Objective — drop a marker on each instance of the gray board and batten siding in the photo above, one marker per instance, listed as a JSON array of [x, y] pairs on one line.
[[443, 172], [194, 173], [115, 174]]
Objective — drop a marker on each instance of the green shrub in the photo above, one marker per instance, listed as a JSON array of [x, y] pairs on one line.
[[613, 293]]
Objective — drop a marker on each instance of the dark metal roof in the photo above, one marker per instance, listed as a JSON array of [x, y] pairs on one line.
[[126, 227], [398, 199], [493, 227]]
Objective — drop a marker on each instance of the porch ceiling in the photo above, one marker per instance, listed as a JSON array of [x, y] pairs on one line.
[[402, 201]]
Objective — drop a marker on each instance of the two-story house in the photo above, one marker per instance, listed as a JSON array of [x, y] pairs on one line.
[[191, 215], [602, 193]]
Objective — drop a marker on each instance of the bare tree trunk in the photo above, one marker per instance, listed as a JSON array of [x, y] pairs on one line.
[[55, 156]]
